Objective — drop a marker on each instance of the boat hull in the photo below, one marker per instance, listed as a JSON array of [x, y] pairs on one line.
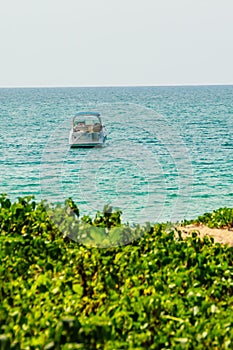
[[86, 140], [85, 145]]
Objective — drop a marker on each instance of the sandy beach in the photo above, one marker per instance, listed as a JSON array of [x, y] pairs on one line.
[[223, 235]]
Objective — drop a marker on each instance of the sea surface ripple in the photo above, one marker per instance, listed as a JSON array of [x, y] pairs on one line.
[[168, 155]]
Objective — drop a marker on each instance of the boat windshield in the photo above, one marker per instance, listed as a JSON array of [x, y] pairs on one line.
[[87, 120]]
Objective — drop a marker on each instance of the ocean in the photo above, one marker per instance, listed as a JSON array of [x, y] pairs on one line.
[[168, 155]]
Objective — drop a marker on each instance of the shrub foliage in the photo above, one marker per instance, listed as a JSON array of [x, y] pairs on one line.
[[158, 292], [220, 218]]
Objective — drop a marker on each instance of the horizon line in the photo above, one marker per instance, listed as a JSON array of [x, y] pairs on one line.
[[111, 86]]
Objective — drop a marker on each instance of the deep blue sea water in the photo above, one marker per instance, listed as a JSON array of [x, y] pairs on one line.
[[168, 155]]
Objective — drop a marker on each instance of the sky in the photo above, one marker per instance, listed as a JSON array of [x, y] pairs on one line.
[[115, 43]]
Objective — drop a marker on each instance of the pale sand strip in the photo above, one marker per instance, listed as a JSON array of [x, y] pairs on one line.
[[224, 236]]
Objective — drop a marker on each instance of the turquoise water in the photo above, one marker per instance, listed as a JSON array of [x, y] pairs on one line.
[[168, 155]]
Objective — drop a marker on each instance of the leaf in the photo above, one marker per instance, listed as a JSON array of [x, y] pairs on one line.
[[78, 289], [195, 310]]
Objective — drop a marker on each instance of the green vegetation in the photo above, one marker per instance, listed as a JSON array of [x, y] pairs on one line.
[[158, 292], [221, 218]]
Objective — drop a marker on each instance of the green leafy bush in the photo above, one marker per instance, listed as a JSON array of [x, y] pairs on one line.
[[158, 292], [221, 218]]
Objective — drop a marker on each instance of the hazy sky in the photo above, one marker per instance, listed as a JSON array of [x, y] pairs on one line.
[[115, 42]]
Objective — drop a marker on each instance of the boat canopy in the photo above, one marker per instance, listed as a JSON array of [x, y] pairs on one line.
[[94, 114], [89, 118]]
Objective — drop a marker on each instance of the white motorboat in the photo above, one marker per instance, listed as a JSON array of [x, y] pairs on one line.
[[87, 130]]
